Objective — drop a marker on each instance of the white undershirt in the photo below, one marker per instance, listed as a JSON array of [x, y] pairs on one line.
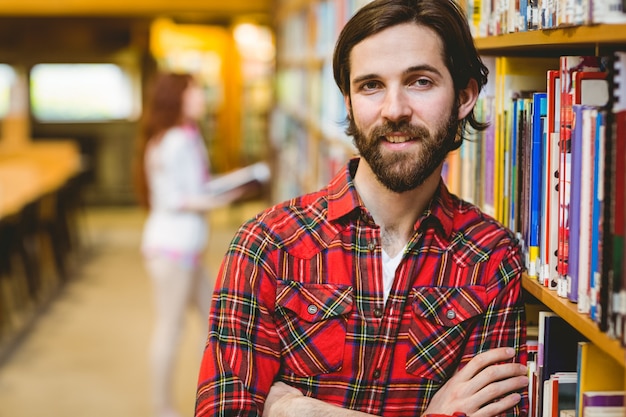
[[389, 270]]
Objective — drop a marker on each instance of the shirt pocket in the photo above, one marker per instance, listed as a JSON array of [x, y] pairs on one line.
[[311, 321], [442, 320]]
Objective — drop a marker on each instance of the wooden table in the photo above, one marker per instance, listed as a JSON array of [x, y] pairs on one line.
[[31, 171]]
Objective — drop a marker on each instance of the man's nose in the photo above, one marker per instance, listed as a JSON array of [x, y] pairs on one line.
[[396, 105]]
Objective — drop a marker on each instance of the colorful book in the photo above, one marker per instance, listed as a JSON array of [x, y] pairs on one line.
[[514, 76], [536, 173], [551, 180], [597, 219], [568, 66]]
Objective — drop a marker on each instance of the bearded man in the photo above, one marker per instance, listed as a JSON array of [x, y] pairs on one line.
[[381, 294]]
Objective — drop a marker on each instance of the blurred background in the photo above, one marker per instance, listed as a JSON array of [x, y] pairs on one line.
[[75, 301]]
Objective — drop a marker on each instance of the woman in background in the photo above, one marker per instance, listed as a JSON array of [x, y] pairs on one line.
[[172, 173]]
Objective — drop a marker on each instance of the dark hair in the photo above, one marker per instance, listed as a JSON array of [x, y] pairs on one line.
[[163, 110], [444, 17]]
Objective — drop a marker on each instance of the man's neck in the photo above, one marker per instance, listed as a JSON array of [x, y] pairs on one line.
[[395, 213]]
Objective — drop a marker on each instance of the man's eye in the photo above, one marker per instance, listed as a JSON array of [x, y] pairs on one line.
[[422, 82], [370, 85]]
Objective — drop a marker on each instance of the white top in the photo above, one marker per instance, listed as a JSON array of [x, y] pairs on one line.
[[177, 172], [389, 270]]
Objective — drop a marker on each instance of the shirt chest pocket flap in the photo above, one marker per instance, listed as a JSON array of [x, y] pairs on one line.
[[311, 324], [442, 320]]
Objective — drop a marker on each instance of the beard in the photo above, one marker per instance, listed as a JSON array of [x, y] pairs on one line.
[[404, 171]]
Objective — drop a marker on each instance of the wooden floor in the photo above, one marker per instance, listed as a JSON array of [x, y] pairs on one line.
[[86, 355]]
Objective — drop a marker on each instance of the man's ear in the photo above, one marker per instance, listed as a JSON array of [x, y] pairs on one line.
[[467, 98], [348, 103]]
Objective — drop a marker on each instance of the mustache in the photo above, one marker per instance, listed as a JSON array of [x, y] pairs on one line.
[[404, 128]]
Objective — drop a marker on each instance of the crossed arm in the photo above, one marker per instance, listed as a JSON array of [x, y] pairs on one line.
[[471, 391]]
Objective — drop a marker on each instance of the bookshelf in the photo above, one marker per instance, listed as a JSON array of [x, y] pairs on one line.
[[567, 310], [554, 41], [304, 60], [592, 40]]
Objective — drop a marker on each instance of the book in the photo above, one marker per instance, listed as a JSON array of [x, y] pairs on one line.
[[543, 316], [603, 398], [560, 346], [613, 267], [571, 287], [597, 219], [592, 411], [568, 65], [522, 106], [607, 11], [551, 180], [590, 90], [562, 392], [586, 202], [451, 172], [539, 110], [596, 371], [229, 181], [515, 76]]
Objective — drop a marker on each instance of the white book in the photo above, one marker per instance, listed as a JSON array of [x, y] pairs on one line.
[[259, 171]]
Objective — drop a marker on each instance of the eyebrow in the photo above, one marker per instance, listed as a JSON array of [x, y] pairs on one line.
[[410, 70]]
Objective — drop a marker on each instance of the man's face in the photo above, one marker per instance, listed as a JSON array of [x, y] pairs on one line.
[[402, 105]]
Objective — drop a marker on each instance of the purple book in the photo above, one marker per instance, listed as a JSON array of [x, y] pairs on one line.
[[603, 399], [574, 210]]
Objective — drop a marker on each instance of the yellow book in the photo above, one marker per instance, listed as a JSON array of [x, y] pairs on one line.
[[514, 76], [452, 172], [597, 371]]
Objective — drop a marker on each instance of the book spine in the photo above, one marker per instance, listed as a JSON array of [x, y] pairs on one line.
[[571, 290], [536, 171]]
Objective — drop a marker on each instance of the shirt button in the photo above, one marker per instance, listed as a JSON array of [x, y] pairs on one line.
[[312, 309], [450, 314], [378, 312], [371, 246], [376, 374]]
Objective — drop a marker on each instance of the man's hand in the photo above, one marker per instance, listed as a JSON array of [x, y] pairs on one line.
[[473, 389]]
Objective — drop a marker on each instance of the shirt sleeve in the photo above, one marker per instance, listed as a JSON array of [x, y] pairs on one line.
[[242, 354]]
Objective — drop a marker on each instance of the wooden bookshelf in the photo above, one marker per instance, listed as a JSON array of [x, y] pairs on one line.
[[568, 311], [574, 39]]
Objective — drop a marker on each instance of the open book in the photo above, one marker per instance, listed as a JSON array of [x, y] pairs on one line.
[[259, 172]]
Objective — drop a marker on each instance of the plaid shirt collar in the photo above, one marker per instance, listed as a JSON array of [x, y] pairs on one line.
[[343, 200]]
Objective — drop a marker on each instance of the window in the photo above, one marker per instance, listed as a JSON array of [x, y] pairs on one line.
[[7, 77], [82, 93]]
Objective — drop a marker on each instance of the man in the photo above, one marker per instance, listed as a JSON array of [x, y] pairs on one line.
[[381, 294]]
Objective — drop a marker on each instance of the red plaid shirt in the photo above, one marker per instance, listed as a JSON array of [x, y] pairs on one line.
[[301, 301]]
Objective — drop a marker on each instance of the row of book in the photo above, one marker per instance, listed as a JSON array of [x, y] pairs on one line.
[[496, 17], [551, 167], [570, 376], [310, 29]]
